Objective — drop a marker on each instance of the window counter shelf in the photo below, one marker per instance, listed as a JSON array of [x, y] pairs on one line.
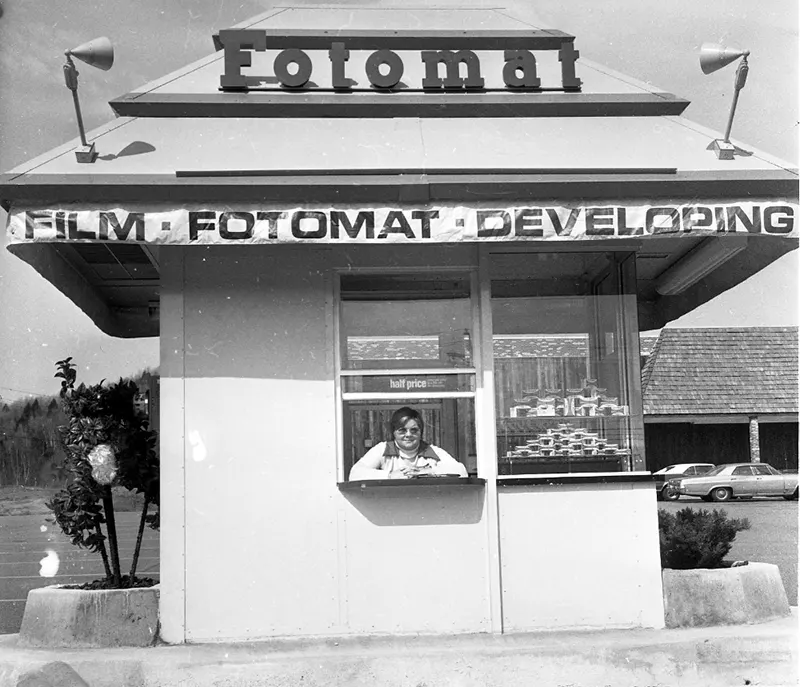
[[417, 482], [576, 478]]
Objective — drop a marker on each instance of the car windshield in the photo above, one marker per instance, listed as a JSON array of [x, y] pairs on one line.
[[714, 471]]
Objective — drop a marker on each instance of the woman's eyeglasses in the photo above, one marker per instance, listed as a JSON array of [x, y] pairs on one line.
[[407, 430]]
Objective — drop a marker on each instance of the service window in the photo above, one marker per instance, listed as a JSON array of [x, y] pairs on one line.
[[566, 365], [406, 340]]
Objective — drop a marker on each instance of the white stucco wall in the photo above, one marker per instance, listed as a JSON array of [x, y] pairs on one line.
[[258, 540], [271, 546], [580, 556]]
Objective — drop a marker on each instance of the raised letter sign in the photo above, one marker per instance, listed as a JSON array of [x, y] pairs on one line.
[[338, 55], [281, 67], [451, 60], [233, 40], [373, 69], [567, 56], [524, 61]]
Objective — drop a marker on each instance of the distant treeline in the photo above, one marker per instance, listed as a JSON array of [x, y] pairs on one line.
[[30, 446]]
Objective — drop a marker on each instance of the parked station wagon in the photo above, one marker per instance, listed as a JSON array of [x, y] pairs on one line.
[[739, 480]]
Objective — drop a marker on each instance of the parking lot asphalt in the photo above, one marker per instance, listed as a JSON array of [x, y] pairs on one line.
[[26, 540]]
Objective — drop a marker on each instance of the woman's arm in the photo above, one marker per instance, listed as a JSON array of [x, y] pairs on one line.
[[369, 465], [448, 465]]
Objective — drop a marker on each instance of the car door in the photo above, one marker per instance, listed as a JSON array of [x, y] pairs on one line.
[[767, 482], [743, 481]]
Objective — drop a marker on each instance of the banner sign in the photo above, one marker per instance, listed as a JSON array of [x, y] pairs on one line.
[[445, 224]]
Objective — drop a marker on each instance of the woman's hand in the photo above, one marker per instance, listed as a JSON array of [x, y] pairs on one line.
[[414, 471], [398, 474]]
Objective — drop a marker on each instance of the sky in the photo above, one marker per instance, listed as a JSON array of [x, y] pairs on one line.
[[650, 40]]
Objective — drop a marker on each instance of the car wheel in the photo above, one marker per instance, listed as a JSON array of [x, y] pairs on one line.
[[793, 497], [669, 494], [721, 494]]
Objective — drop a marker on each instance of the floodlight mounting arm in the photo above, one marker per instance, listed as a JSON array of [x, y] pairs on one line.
[[739, 81], [71, 79]]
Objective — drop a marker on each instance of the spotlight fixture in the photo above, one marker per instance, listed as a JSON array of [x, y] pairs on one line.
[[97, 53], [713, 57]]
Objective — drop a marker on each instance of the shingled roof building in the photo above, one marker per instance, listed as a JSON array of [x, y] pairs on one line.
[[722, 395]]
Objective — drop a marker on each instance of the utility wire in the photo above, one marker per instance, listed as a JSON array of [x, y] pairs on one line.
[[22, 391]]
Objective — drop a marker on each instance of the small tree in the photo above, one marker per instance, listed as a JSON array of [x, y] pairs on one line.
[[696, 538], [106, 443]]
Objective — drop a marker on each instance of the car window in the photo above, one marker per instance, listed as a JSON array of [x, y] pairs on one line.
[[715, 471], [764, 470], [743, 470], [704, 469]]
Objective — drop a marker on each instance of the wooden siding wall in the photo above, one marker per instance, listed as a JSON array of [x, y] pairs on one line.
[[670, 443]]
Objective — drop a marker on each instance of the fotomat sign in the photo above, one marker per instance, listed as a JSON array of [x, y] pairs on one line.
[[391, 61]]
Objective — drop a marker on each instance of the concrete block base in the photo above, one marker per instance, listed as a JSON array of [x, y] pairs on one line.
[[58, 617], [751, 593]]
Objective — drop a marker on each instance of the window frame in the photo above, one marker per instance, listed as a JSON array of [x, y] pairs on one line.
[[621, 268], [405, 397]]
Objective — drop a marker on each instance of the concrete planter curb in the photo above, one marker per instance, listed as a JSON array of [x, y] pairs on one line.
[[751, 593], [58, 617]]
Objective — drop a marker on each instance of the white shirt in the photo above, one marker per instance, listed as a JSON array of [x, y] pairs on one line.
[[374, 465]]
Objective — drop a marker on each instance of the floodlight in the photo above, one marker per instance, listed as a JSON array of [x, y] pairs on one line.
[[713, 57], [97, 53]]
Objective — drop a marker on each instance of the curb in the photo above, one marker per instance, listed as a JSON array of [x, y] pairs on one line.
[[762, 654]]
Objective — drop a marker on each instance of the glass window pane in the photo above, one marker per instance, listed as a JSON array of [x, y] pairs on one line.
[[561, 395], [449, 424], [743, 470], [414, 321]]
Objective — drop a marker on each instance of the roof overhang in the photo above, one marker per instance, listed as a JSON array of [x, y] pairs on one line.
[[732, 419], [182, 142]]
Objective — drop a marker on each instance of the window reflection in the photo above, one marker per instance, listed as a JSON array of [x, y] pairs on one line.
[[560, 395], [405, 322]]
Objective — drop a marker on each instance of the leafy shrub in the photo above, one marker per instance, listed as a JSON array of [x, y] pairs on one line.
[[696, 538], [107, 443]]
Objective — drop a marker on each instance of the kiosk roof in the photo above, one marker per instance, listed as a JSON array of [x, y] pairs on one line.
[[181, 139]]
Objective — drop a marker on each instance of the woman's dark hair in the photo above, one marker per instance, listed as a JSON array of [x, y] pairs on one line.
[[403, 415]]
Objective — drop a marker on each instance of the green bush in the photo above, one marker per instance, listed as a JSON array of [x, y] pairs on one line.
[[108, 444], [696, 538]]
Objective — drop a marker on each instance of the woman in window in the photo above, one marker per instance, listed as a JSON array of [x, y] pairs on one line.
[[406, 455]]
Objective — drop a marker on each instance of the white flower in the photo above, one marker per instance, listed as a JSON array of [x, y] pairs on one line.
[[104, 463]]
